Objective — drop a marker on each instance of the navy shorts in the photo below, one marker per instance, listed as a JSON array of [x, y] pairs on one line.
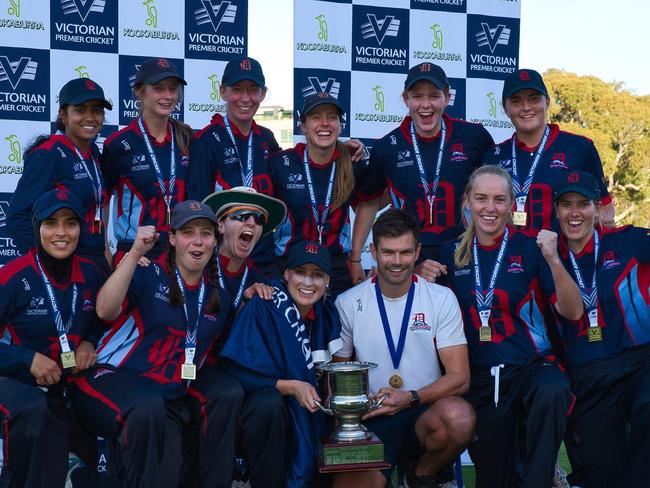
[[397, 432]]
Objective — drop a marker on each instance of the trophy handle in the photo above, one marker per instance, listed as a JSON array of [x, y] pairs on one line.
[[326, 410], [375, 404]]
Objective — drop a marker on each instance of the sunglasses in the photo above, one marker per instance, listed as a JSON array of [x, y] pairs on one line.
[[244, 215]]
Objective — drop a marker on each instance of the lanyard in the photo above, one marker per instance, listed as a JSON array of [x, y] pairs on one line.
[[61, 330], [396, 355], [240, 291], [167, 194], [431, 195], [96, 182], [320, 219], [247, 175], [190, 336], [590, 299], [484, 297], [521, 193]]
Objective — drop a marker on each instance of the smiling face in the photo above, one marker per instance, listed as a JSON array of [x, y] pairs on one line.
[[527, 110], [194, 244], [160, 99], [306, 285], [490, 204], [242, 101], [577, 216], [321, 127], [426, 104], [59, 233], [83, 122], [241, 230], [396, 258]]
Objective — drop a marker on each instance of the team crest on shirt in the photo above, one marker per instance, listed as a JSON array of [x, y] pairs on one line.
[[37, 307], [88, 304], [294, 182], [139, 163], [185, 160], [516, 265], [419, 322], [458, 152], [230, 155], [210, 316], [404, 158], [609, 261], [101, 372], [162, 293], [506, 164], [558, 161]]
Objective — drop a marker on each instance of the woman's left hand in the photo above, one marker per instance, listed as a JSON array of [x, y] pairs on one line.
[[260, 289], [85, 356], [357, 149]]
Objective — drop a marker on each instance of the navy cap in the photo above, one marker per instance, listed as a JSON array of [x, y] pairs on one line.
[[53, 200], [317, 99], [189, 210], [523, 79], [578, 182], [309, 253], [154, 70], [429, 72], [82, 90], [240, 69]]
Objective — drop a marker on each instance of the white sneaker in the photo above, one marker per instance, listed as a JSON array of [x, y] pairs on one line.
[[559, 478]]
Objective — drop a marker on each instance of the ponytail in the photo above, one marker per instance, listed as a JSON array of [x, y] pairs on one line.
[[344, 183]]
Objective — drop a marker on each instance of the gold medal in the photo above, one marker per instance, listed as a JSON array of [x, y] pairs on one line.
[[594, 334], [188, 371], [68, 360], [520, 218], [485, 334], [396, 381]]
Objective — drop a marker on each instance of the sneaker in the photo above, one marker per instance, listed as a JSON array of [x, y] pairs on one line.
[[559, 478]]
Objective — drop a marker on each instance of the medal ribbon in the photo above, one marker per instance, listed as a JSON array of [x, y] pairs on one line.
[[222, 283], [431, 195], [319, 219], [484, 297], [61, 330], [192, 332], [522, 192], [396, 355], [247, 174], [589, 298], [167, 193], [96, 182]]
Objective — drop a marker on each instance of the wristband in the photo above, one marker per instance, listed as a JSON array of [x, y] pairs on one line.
[[354, 260]]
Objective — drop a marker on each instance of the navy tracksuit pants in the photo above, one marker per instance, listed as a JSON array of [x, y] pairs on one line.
[[516, 442], [153, 441]]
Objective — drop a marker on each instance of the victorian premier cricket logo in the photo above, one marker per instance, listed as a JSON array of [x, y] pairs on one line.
[[329, 86], [215, 13], [218, 30], [379, 29], [16, 71], [82, 7], [380, 38], [493, 54], [492, 37]]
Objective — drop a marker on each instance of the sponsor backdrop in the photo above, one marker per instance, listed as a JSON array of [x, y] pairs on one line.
[[46, 43], [360, 51]]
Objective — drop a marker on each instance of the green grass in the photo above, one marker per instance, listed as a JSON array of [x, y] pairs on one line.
[[469, 477]]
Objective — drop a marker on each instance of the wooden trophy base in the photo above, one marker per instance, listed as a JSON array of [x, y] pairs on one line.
[[341, 457]]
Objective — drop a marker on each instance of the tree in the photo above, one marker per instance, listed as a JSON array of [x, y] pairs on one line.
[[619, 124]]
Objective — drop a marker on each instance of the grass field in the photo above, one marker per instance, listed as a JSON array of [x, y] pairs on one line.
[[469, 478]]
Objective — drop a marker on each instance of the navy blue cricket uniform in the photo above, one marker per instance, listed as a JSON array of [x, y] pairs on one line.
[[611, 377], [131, 176], [55, 164], [534, 395], [563, 152], [217, 167], [35, 423], [393, 166], [290, 185], [137, 399]]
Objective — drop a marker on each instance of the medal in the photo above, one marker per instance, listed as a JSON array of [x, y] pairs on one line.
[[589, 296], [594, 334], [485, 334], [520, 218], [396, 381], [188, 371], [429, 191], [68, 360]]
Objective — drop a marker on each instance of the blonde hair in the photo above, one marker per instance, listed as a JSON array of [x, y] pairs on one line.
[[463, 253], [344, 183]]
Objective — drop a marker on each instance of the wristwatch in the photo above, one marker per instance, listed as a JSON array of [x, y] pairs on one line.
[[415, 398]]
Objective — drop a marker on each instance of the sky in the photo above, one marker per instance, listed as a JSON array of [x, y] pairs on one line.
[[588, 37]]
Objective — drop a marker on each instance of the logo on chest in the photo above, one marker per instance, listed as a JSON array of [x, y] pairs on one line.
[[138, 163], [458, 153], [558, 161], [162, 293], [404, 158], [609, 261], [515, 265], [294, 182], [419, 323], [88, 304], [37, 306]]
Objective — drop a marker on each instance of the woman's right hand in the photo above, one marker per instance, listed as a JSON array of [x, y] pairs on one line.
[[302, 391], [357, 272], [144, 241], [46, 371]]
